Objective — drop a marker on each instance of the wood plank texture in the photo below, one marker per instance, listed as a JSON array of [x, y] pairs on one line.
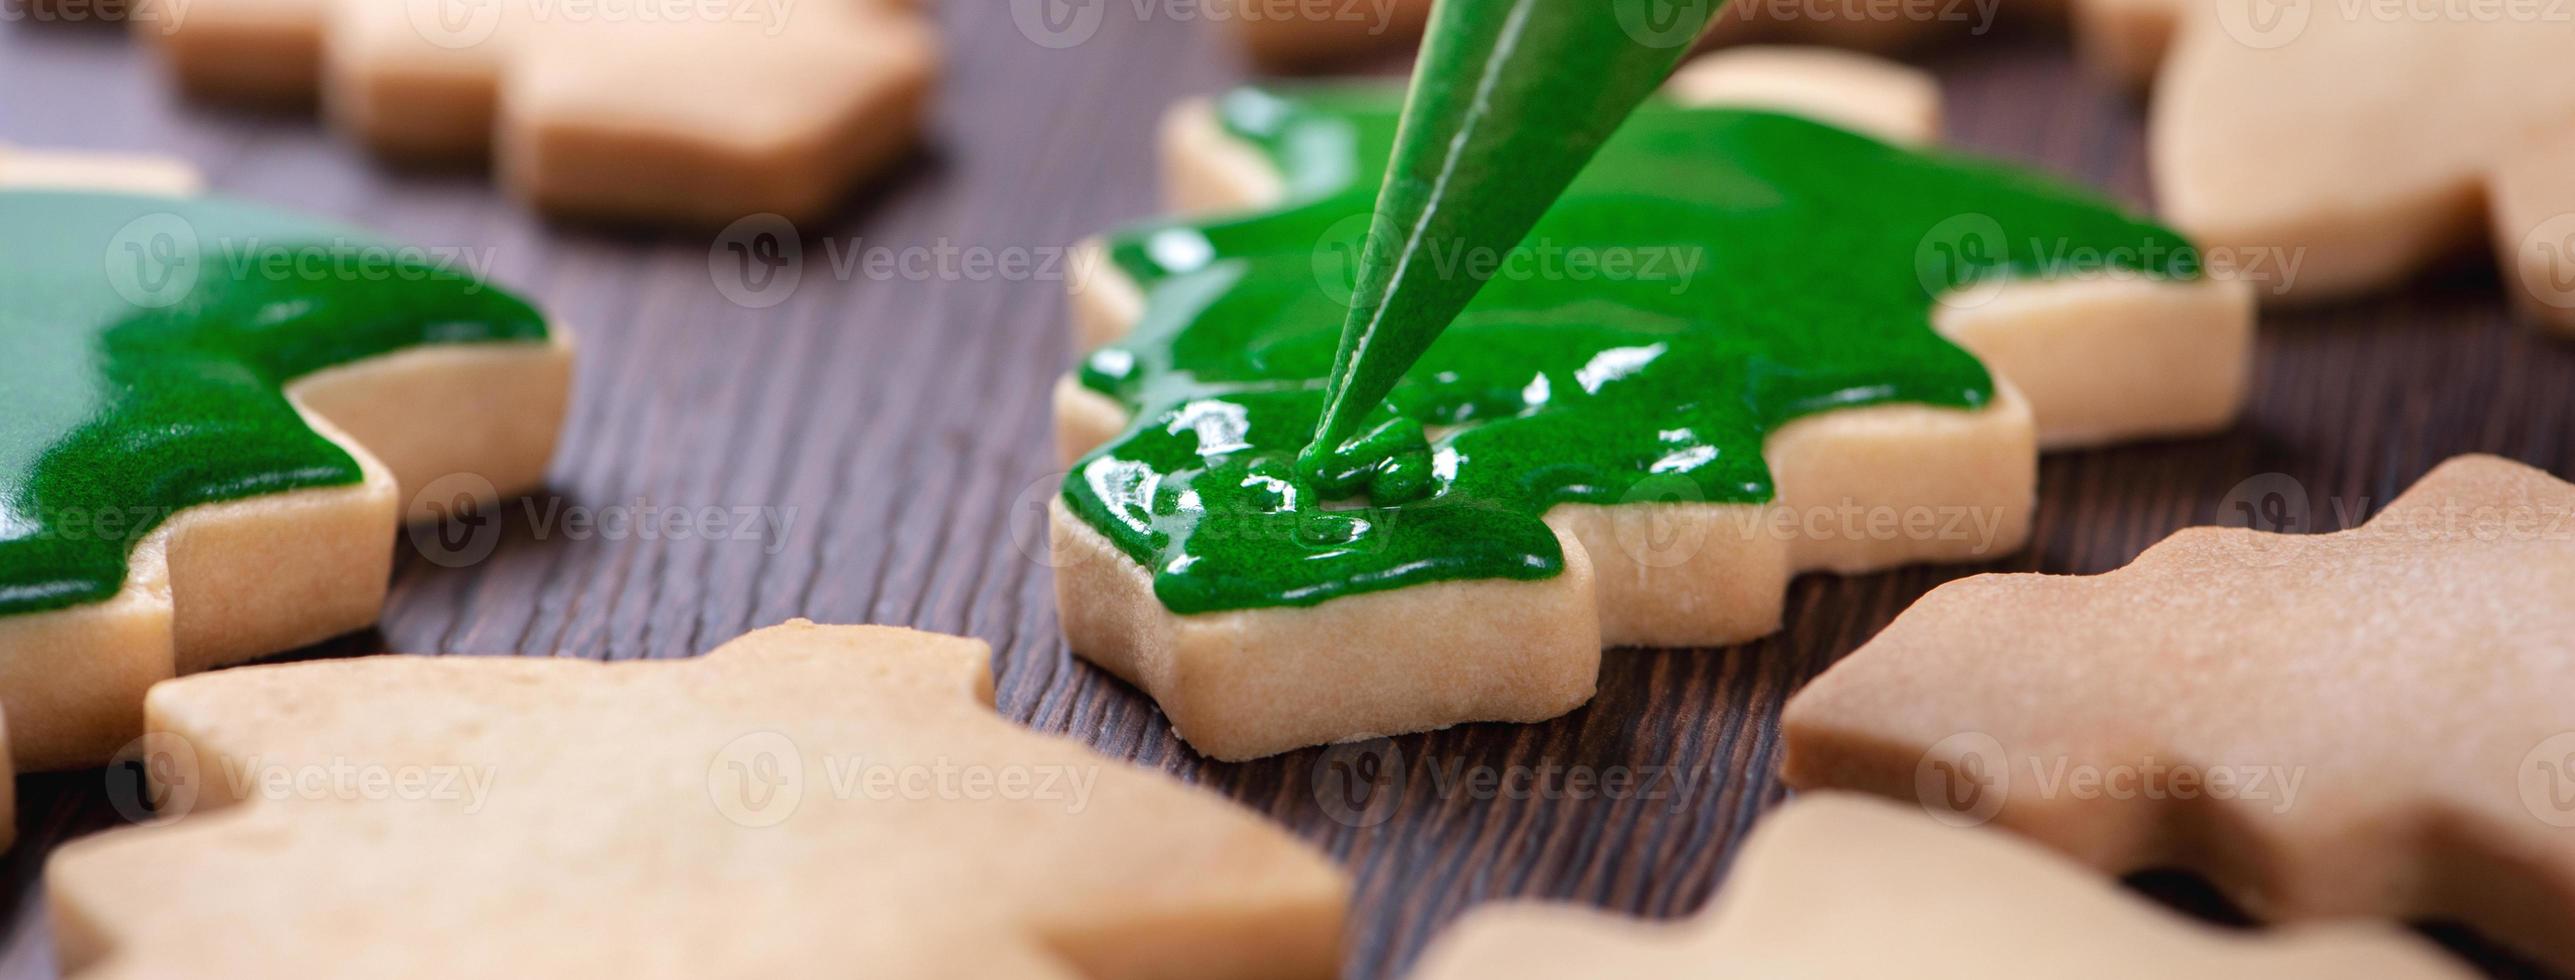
[[898, 424]]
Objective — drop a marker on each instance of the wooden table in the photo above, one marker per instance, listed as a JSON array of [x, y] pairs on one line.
[[901, 425]]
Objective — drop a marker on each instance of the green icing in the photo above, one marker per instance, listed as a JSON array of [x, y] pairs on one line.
[[149, 339], [1815, 258], [1509, 99]]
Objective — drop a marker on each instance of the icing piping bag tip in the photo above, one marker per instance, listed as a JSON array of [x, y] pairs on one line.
[[1509, 100]]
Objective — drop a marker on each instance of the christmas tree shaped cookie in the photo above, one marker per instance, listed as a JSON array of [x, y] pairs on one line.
[[622, 109], [2374, 722], [1842, 886], [215, 414], [804, 801], [1746, 344], [2369, 146]]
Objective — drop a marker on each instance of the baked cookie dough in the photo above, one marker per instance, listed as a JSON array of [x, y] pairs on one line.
[[2366, 146], [1836, 885], [805, 801], [218, 413], [24, 169], [2371, 723], [1622, 448], [620, 110]]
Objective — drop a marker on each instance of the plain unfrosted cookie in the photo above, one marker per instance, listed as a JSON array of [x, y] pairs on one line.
[[2083, 360], [1839, 887], [806, 801], [220, 416], [624, 109], [2369, 146], [2369, 723], [24, 169]]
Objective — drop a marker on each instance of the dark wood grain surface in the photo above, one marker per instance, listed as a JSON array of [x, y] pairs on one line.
[[899, 426]]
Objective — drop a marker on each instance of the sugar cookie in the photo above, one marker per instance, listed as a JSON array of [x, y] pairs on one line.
[[804, 801], [23, 169], [2368, 723], [2369, 146], [1807, 417], [1835, 885], [218, 412], [620, 110]]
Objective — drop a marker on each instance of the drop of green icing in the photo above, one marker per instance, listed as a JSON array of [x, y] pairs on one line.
[[150, 339], [1711, 276]]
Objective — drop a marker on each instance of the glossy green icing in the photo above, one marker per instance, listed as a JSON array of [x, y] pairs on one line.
[[148, 342], [1509, 99], [1817, 257]]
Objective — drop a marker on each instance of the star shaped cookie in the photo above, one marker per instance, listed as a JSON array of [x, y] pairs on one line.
[[2378, 722], [805, 801]]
